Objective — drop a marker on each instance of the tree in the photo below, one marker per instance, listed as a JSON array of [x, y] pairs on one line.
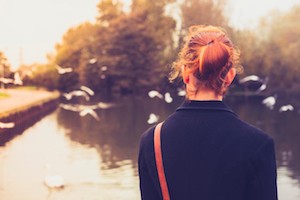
[[43, 75], [135, 47], [74, 53], [108, 11], [135, 53], [252, 50], [4, 65], [281, 52], [202, 12]]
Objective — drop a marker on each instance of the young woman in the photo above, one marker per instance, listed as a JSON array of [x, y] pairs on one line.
[[208, 153]]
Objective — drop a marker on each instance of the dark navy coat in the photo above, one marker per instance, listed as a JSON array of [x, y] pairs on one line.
[[209, 154]]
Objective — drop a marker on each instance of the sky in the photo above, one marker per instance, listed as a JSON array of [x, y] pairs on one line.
[[30, 29]]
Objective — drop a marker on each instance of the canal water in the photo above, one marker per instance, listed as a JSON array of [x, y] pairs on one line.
[[98, 158]]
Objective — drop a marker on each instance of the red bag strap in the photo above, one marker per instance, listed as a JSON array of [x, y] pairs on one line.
[[159, 163]]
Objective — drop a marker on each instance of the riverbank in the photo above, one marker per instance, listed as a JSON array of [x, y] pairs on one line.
[[22, 107]]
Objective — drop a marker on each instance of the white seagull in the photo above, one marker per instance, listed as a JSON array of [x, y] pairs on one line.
[[89, 111], [102, 76], [4, 125], [92, 60], [104, 68], [82, 109], [249, 78], [153, 118], [77, 93], [269, 102], [17, 79], [285, 108], [181, 93], [154, 93], [168, 98], [6, 80], [103, 105], [62, 70], [73, 108], [262, 88], [87, 90]]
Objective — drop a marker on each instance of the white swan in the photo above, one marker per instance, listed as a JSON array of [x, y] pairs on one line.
[[53, 181]]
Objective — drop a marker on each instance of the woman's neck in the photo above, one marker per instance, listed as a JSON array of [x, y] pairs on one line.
[[205, 95]]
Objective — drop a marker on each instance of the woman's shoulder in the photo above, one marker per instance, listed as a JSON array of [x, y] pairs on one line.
[[147, 137], [252, 129], [253, 134]]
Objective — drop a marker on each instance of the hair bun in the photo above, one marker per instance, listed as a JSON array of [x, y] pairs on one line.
[[211, 42], [209, 54]]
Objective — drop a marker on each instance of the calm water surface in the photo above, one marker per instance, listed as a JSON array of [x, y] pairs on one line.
[[98, 159]]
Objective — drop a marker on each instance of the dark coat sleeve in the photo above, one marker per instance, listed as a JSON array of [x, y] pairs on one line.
[[265, 167]]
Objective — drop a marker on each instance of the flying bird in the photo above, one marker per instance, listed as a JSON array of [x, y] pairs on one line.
[[87, 90], [79, 108], [103, 105], [262, 88], [104, 68], [6, 80], [168, 97], [249, 78], [181, 93], [285, 108], [7, 125], [77, 93], [154, 93], [153, 118], [17, 79], [69, 107], [62, 70], [84, 110], [93, 60], [102, 76], [269, 102], [89, 111]]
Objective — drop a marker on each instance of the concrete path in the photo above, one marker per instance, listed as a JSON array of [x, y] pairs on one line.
[[20, 99]]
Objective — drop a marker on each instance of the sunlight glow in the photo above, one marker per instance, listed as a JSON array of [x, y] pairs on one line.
[[30, 29], [246, 13]]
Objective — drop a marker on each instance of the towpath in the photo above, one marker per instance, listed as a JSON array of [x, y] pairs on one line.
[[20, 99]]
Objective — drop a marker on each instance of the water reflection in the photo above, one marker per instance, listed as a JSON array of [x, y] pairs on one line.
[[116, 136], [98, 159]]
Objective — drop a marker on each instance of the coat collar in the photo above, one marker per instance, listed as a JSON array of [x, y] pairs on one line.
[[204, 105]]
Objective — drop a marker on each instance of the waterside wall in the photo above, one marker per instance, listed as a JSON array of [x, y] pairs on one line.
[[25, 116]]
